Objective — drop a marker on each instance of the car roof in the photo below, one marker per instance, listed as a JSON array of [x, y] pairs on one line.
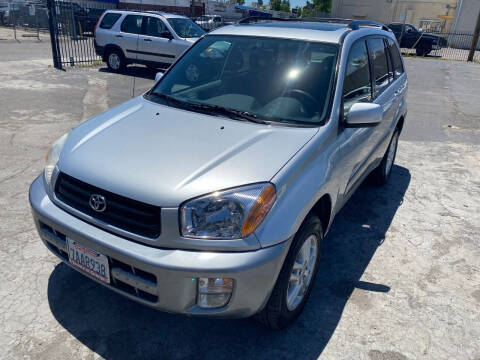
[[148, 12], [331, 32]]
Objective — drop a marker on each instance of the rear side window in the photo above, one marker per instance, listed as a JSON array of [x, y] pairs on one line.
[[155, 27], [357, 85], [109, 20], [132, 24], [379, 61], [397, 65]]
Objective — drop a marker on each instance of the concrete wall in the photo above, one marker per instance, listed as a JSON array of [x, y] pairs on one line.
[[466, 16], [388, 11], [227, 11], [181, 7]]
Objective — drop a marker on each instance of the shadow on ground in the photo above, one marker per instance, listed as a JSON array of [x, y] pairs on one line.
[[137, 71], [115, 327]]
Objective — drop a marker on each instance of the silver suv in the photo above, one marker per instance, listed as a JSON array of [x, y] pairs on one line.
[[211, 193], [152, 38]]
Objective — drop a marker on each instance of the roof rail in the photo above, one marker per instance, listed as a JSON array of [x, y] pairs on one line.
[[251, 19], [351, 24], [154, 12], [356, 24]]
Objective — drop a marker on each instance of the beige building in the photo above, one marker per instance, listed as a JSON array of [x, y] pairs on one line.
[[433, 14]]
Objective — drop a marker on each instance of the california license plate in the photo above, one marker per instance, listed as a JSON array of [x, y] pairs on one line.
[[88, 260]]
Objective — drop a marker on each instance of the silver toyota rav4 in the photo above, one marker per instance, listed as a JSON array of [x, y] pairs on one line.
[[211, 194]]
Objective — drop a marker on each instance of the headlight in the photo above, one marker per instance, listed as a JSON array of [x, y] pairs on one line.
[[228, 214], [52, 157]]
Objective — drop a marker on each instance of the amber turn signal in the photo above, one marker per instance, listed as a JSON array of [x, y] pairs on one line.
[[259, 210]]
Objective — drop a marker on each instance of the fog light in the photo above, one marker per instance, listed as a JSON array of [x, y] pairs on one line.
[[214, 292]]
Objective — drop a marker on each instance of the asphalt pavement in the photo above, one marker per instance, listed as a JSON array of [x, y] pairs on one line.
[[399, 276]]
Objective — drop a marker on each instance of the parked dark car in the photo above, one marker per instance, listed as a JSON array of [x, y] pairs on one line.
[[84, 19], [409, 36]]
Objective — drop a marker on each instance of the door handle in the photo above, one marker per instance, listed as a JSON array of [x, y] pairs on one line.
[[147, 39], [119, 36]]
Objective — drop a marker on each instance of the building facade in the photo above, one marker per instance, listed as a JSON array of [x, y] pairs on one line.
[[438, 15]]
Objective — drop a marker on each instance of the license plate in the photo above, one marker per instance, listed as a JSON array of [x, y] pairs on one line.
[[88, 260]]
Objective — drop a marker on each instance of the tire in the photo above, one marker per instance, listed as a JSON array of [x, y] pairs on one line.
[[382, 173], [280, 312], [115, 60], [423, 51]]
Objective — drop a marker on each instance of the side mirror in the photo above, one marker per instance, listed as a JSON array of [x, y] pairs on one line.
[[364, 115], [166, 35], [158, 76]]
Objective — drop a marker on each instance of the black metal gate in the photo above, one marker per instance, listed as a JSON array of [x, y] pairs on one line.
[[72, 29]]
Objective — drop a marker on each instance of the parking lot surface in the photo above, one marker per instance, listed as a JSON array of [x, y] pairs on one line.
[[399, 275]]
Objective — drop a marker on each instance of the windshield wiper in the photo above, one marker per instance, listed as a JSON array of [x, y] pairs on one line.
[[212, 109], [233, 113]]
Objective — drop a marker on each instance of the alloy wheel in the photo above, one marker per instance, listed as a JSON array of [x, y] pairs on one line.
[[302, 272]]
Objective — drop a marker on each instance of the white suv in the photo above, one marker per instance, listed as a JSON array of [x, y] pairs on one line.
[[151, 38]]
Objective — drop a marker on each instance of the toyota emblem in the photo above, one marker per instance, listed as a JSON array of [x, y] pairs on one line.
[[97, 202]]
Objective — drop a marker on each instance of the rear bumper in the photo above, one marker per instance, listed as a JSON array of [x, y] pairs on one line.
[[162, 278], [99, 50]]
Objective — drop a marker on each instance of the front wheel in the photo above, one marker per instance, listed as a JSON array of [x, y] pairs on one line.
[[296, 278]]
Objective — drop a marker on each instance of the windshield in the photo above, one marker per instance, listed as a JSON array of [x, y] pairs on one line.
[[186, 28], [271, 79]]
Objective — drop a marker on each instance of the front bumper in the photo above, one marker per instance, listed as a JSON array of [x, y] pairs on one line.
[[162, 278]]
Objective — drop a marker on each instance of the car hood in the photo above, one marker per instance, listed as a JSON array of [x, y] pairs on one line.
[[192, 40], [163, 155]]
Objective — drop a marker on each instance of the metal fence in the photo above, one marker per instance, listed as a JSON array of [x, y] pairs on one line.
[[31, 16], [445, 45], [72, 31], [72, 26]]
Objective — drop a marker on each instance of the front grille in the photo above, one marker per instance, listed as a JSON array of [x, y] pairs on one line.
[[122, 212]]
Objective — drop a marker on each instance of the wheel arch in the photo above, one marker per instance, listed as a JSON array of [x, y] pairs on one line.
[[110, 47], [323, 209]]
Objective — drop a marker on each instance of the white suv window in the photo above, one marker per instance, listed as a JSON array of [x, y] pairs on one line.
[[109, 20], [155, 27], [132, 24]]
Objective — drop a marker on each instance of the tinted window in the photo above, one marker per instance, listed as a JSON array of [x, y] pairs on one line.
[[379, 64], [155, 27], [397, 65], [395, 27], [357, 85], [274, 79], [185, 28], [109, 20], [410, 28], [132, 24]]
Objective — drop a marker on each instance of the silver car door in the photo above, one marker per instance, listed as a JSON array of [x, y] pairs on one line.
[[156, 44], [357, 87], [385, 95], [128, 36]]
